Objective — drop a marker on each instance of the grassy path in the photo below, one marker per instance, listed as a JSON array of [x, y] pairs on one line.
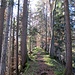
[[42, 64]]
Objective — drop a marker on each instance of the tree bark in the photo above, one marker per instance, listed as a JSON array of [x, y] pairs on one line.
[[2, 10], [5, 43], [51, 47], [68, 70], [46, 27], [12, 51], [10, 42], [17, 45], [24, 34]]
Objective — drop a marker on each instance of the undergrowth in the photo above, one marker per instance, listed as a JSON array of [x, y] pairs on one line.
[[55, 65]]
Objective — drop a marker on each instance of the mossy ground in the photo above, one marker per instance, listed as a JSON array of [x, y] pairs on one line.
[[40, 59]]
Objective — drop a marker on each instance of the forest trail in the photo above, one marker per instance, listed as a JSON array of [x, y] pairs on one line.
[[39, 64], [44, 69]]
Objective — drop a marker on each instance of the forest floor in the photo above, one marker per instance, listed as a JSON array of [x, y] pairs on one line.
[[42, 64]]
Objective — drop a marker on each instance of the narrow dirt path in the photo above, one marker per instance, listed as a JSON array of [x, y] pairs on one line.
[[43, 69], [42, 64]]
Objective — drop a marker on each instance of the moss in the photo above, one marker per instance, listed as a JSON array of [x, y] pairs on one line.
[[32, 66], [56, 66]]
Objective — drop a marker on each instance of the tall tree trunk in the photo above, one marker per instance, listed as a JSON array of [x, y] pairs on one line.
[[51, 48], [46, 27], [2, 10], [68, 70], [10, 42], [24, 33], [5, 42], [17, 45], [12, 51], [51, 51], [30, 38]]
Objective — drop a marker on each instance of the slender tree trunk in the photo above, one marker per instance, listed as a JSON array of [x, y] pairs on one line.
[[17, 45], [5, 43], [10, 42], [68, 70], [12, 51], [24, 34], [51, 49], [2, 10], [9, 52], [46, 27], [30, 45], [30, 38]]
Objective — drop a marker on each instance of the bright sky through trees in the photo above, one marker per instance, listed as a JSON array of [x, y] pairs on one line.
[[33, 5]]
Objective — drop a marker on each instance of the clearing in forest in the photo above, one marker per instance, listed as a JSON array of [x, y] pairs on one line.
[[42, 64]]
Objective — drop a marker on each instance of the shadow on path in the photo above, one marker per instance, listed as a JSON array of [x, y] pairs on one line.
[[42, 64]]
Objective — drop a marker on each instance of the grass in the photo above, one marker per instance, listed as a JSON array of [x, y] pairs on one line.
[[32, 66], [56, 66]]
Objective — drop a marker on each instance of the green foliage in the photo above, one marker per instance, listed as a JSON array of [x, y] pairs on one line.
[[35, 51], [27, 67], [59, 73], [32, 30], [37, 48], [59, 26]]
